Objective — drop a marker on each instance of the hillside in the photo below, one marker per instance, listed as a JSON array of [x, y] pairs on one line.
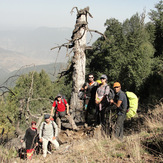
[[32, 46], [143, 142], [51, 69]]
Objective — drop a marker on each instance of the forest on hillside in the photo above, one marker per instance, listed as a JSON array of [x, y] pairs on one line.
[[132, 54]]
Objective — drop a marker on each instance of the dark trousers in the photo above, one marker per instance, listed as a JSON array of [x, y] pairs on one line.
[[100, 115], [120, 125], [91, 108]]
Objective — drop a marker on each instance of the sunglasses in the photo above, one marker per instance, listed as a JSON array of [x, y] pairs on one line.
[[90, 77], [102, 78], [116, 87]]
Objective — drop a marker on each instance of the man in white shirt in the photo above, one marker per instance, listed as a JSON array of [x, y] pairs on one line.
[[48, 132]]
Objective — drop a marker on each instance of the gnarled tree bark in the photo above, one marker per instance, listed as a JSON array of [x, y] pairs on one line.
[[78, 44]]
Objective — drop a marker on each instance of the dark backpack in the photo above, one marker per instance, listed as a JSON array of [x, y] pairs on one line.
[[111, 94]]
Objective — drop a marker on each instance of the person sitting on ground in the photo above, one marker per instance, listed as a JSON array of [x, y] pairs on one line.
[[31, 139], [120, 101], [48, 133], [101, 99], [90, 92], [61, 108]]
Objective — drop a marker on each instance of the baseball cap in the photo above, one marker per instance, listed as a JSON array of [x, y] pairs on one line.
[[59, 95], [46, 116], [116, 84], [103, 77]]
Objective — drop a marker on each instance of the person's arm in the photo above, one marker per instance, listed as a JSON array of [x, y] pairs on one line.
[[36, 140], [25, 136], [68, 111], [40, 133], [118, 104], [96, 98], [52, 109], [84, 87], [56, 130]]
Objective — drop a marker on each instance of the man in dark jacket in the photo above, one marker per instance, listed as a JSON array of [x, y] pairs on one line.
[[120, 101], [89, 88]]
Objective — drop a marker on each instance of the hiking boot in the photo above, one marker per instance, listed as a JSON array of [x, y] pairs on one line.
[[76, 128]]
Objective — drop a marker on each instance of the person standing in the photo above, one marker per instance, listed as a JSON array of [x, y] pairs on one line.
[[120, 101], [101, 99], [61, 109], [89, 88], [48, 132], [30, 139]]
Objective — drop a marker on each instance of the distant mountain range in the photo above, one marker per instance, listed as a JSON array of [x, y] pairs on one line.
[[22, 51], [8, 78], [23, 47]]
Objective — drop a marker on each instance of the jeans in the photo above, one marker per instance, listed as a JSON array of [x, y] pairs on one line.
[[120, 125], [45, 145]]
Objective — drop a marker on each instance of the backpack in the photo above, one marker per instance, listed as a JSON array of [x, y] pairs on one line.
[[132, 104], [111, 94], [81, 95]]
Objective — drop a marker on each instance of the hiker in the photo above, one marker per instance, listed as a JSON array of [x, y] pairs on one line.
[[31, 140], [120, 101], [89, 88], [101, 99], [61, 109], [48, 133]]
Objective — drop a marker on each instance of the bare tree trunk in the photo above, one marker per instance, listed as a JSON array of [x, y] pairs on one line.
[[78, 61], [78, 43]]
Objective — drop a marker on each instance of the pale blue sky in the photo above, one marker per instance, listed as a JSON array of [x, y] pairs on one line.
[[56, 13]]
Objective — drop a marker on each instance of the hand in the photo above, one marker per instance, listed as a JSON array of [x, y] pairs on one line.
[[54, 137], [21, 141], [36, 144], [85, 87], [68, 114], [97, 101], [40, 140], [111, 101]]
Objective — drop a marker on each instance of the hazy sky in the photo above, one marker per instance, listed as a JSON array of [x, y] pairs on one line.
[[56, 13]]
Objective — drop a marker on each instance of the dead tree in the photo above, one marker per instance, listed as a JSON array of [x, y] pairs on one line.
[[78, 45]]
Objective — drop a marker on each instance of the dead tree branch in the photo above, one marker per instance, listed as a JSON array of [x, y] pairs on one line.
[[98, 33], [3, 88]]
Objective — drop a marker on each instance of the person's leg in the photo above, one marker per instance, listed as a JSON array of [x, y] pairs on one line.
[[72, 122], [58, 121], [44, 146], [103, 116], [119, 126], [97, 115], [55, 143], [122, 127]]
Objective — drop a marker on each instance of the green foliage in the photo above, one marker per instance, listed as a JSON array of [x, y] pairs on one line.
[[125, 56], [156, 17], [62, 86], [33, 92], [5, 124]]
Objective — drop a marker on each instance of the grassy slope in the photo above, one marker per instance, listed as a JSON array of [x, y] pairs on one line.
[[143, 144]]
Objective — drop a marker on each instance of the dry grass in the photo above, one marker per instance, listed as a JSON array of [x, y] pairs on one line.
[[135, 148], [154, 119]]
